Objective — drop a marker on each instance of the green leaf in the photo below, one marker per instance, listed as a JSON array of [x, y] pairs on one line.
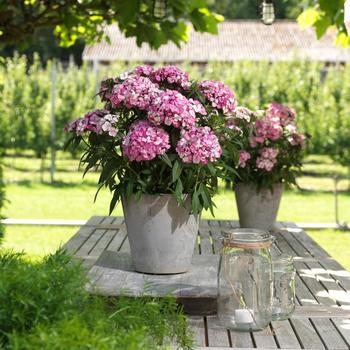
[[179, 188], [116, 197], [308, 18], [176, 171], [195, 203], [211, 168], [166, 159], [127, 10], [321, 25]]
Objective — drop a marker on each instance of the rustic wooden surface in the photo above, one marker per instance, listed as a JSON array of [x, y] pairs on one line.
[[322, 316]]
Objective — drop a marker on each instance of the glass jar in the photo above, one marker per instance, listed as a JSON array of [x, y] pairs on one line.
[[245, 280], [283, 287]]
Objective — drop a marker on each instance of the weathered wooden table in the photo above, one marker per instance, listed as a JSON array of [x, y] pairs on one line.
[[321, 319]]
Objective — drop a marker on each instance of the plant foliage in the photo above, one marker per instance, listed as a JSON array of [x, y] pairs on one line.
[[45, 306], [323, 14], [75, 19], [145, 144]]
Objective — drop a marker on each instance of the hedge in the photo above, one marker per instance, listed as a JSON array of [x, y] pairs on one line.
[[320, 95]]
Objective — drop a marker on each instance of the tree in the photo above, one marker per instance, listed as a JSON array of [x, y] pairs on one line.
[[251, 9], [85, 19], [323, 14]]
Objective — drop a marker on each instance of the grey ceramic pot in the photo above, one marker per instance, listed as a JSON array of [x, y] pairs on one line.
[[258, 209], [162, 234]]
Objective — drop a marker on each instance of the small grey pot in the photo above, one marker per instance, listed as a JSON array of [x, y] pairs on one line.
[[258, 209]]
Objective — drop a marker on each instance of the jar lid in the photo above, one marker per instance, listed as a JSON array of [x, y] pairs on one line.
[[247, 238]]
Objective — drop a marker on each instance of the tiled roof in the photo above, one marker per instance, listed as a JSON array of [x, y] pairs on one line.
[[237, 40]]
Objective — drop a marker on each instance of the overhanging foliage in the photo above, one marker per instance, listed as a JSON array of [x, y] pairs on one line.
[[74, 19]]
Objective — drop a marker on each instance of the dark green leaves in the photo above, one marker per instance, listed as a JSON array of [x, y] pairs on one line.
[[176, 171], [86, 20], [323, 15]]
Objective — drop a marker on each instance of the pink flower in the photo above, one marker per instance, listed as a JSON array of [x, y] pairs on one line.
[[285, 114], [267, 128], [145, 141], [243, 113], [296, 139], [219, 95], [134, 92], [171, 75], [267, 159], [197, 106], [145, 70], [243, 158], [92, 121], [172, 108], [199, 146]]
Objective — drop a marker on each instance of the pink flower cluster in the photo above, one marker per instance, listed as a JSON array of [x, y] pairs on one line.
[[171, 75], [98, 121], [134, 92], [172, 108], [266, 128], [243, 158], [145, 141], [285, 114], [199, 146], [267, 158], [219, 95], [243, 113], [145, 70]]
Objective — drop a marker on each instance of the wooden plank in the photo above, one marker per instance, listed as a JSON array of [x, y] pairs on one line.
[[241, 340], [322, 311], [117, 241], [215, 233], [306, 334], [101, 246], [217, 334], [197, 326], [82, 235], [285, 336], [325, 329], [205, 245], [241, 348], [265, 339]]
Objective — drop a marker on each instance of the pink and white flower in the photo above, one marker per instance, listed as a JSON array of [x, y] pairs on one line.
[[267, 158], [285, 114], [199, 146], [145, 141], [134, 92], [172, 108], [171, 75], [244, 156], [219, 95]]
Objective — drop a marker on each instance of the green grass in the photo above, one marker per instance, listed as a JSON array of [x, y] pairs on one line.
[[71, 197], [44, 305]]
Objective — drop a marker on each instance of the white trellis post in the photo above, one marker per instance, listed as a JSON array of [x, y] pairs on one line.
[[53, 122], [96, 70], [347, 15]]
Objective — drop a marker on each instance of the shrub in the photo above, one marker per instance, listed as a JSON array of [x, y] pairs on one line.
[[44, 306]]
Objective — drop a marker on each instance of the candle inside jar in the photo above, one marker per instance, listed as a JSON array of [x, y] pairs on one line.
[[244, 316]]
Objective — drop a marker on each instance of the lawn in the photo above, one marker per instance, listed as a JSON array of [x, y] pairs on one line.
[[72, 198]]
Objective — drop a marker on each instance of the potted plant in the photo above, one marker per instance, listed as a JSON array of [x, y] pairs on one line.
[[269, 157], [158, 142]]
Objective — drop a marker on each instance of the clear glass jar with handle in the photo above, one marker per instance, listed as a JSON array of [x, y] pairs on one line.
[[245, 280]]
